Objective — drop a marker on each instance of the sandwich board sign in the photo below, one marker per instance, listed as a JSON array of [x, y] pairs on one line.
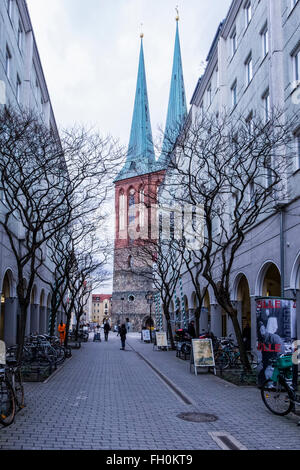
[[161, 339], [202, 354], [2, 353]]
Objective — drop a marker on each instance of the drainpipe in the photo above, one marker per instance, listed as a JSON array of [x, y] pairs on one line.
[[281, 207], [282, 261]]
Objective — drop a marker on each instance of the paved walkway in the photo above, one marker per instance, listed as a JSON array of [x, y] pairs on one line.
[[105, 398]]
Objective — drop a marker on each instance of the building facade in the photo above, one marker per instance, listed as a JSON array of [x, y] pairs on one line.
[[253, 67], [101, 308], [22, 85]]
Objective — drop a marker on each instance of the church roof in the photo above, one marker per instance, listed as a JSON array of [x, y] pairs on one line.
[[140, 156], [177, 109]]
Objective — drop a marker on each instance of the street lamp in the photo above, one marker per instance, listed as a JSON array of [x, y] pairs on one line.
[[149, 297]]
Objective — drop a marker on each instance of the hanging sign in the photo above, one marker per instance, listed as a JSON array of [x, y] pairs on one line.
[[276, 331], [2, 353], [161, 339], [202, 354]]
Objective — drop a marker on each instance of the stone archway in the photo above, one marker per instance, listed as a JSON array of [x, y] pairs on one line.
[[271, 282], [243, 296], [206, 324], [5, 294]]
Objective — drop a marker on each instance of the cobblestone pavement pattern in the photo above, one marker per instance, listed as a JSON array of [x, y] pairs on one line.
[[105, 398]]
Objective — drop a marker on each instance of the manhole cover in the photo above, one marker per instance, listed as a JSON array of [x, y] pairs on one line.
[[197, 417]]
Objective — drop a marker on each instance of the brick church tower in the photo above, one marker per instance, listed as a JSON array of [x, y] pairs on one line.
[[136, 189]]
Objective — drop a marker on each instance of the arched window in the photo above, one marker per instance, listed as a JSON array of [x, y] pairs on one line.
[[142, 208], [130, 261], [122, 211]]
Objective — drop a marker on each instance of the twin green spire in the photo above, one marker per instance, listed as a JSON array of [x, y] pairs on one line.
[[140, 156]]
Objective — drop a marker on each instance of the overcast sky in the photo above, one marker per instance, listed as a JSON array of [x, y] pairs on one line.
[[89, 51]]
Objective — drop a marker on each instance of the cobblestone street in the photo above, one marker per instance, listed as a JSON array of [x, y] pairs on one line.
[[105, 398]]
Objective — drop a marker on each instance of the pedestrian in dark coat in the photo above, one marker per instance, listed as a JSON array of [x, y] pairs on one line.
[[123, 332]]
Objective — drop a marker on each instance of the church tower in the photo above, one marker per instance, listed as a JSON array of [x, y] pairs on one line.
[[136, 188]]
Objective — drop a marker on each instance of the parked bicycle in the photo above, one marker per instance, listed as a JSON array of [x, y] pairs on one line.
[[278, 393], [227, 355]]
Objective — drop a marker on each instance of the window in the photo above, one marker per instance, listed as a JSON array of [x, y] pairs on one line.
[[268, 167], [172, 225], [249, 69], [266, 104], [297, 142], [252, 193], [18, 89], [7, 62], [122, 212], [249, 122], [20, 36], [293, 3], [233, 42], [142, 208], [9, 7], [265, 40], [248, 13], [296, 60], [131, 206], [234, 94], [235, 147], [209, 94]]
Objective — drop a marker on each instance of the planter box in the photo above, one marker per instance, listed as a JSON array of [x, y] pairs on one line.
[[36, 373]]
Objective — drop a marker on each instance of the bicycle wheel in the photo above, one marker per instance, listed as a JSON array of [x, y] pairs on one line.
[[60, 355], [7, 403], [276, 397], [185, 348], [222, 360], [19, 389]]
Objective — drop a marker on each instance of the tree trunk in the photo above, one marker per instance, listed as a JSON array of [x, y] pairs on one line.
[[239, 337], [169, 328], [197, 321], [21, 333], [77, 328], [67, 330]]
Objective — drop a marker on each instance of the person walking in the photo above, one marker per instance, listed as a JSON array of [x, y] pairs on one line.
[[123, 332], [62, 332], [106, 330]]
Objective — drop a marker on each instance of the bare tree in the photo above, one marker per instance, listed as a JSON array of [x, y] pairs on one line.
[[46, 184], [233, 170]]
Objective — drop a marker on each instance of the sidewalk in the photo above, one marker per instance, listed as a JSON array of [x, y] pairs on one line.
[[105, 398]]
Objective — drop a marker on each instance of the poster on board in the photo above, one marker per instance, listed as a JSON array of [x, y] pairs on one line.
[[276, 331], [161, 339], [202, 353]]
